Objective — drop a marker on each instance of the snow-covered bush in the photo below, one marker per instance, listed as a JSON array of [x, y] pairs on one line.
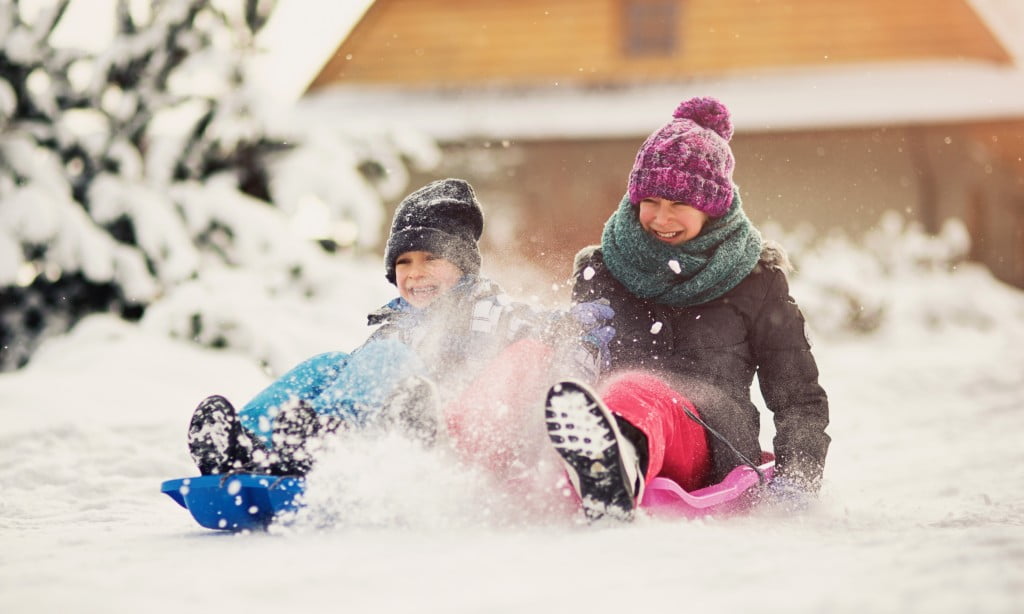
[[131, 171], [895, 279]]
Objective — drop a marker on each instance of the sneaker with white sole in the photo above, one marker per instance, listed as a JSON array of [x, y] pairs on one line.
[[602, 464]]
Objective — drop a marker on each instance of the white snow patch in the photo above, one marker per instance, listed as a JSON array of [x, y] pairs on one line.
[[925, 469]]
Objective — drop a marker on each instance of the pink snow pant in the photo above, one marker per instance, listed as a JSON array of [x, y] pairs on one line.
[[502, 410], [497, 424], [677, 446]]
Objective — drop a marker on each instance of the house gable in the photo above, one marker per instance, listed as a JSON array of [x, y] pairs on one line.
[[458, 43]]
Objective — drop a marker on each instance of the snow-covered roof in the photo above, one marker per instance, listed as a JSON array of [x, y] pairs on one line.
[[1005, 18], [852, 95], [836, 97], [299, 38]]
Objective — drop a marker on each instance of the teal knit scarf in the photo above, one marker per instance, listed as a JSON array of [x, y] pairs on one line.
[[697, 271]]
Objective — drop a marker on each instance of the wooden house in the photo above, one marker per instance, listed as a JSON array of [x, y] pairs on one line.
[[842, 109]]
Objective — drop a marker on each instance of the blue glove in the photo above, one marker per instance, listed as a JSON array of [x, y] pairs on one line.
[[590, 315], [599, 338], [787, 494], [594, 337]]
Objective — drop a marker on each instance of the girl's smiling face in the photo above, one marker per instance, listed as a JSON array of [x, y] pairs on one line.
[[421, 277], [669, 221]]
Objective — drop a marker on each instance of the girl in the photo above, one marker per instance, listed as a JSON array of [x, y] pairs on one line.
[[701, 306]]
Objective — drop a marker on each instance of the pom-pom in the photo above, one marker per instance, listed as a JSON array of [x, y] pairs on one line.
[[708, 113]]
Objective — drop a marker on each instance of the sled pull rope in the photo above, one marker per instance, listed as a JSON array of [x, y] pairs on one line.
[[273, 485], [282, 478], [746, 461], [228, 476]]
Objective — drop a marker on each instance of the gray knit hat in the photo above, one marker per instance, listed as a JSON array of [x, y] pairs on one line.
[[442, 218]]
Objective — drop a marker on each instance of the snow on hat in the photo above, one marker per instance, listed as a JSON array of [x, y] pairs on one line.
[[443, 218], [688, 159]]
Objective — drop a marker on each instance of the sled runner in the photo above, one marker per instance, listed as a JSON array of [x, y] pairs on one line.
[[249, 501], [235, 501]]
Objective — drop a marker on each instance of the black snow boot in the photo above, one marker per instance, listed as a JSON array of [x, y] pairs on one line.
[[216, 439], [297, 437], [603, 465]]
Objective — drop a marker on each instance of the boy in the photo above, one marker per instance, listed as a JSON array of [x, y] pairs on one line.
[[446, 327]]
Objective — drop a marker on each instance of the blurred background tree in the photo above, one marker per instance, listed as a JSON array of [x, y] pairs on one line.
[[126, 172]]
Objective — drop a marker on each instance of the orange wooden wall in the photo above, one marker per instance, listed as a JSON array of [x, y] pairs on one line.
[[541, 42]]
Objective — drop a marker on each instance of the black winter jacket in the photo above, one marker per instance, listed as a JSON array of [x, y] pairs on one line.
[[711, 352]]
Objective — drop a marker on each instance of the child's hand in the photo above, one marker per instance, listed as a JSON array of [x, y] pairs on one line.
[[787, 494], [600, 338], [590, 315]]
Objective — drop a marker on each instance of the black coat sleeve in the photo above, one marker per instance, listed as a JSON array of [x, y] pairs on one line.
[[788, 377], [589, 281]]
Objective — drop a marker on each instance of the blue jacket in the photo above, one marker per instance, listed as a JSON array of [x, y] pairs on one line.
[[448, 341]]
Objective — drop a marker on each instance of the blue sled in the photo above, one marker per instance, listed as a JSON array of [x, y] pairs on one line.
[[236, 501]]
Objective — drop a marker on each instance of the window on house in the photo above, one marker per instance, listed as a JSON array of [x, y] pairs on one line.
[[649, 27]]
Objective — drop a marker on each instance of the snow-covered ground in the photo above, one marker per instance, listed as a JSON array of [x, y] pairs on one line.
[[923, 508]]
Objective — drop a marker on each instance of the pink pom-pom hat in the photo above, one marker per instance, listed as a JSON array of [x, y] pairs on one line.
[[688, 159]]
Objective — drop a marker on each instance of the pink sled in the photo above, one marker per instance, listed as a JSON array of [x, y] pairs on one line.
[[663, 497]]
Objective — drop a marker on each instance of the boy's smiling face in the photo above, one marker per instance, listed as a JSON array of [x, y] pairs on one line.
[[421, 277]]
